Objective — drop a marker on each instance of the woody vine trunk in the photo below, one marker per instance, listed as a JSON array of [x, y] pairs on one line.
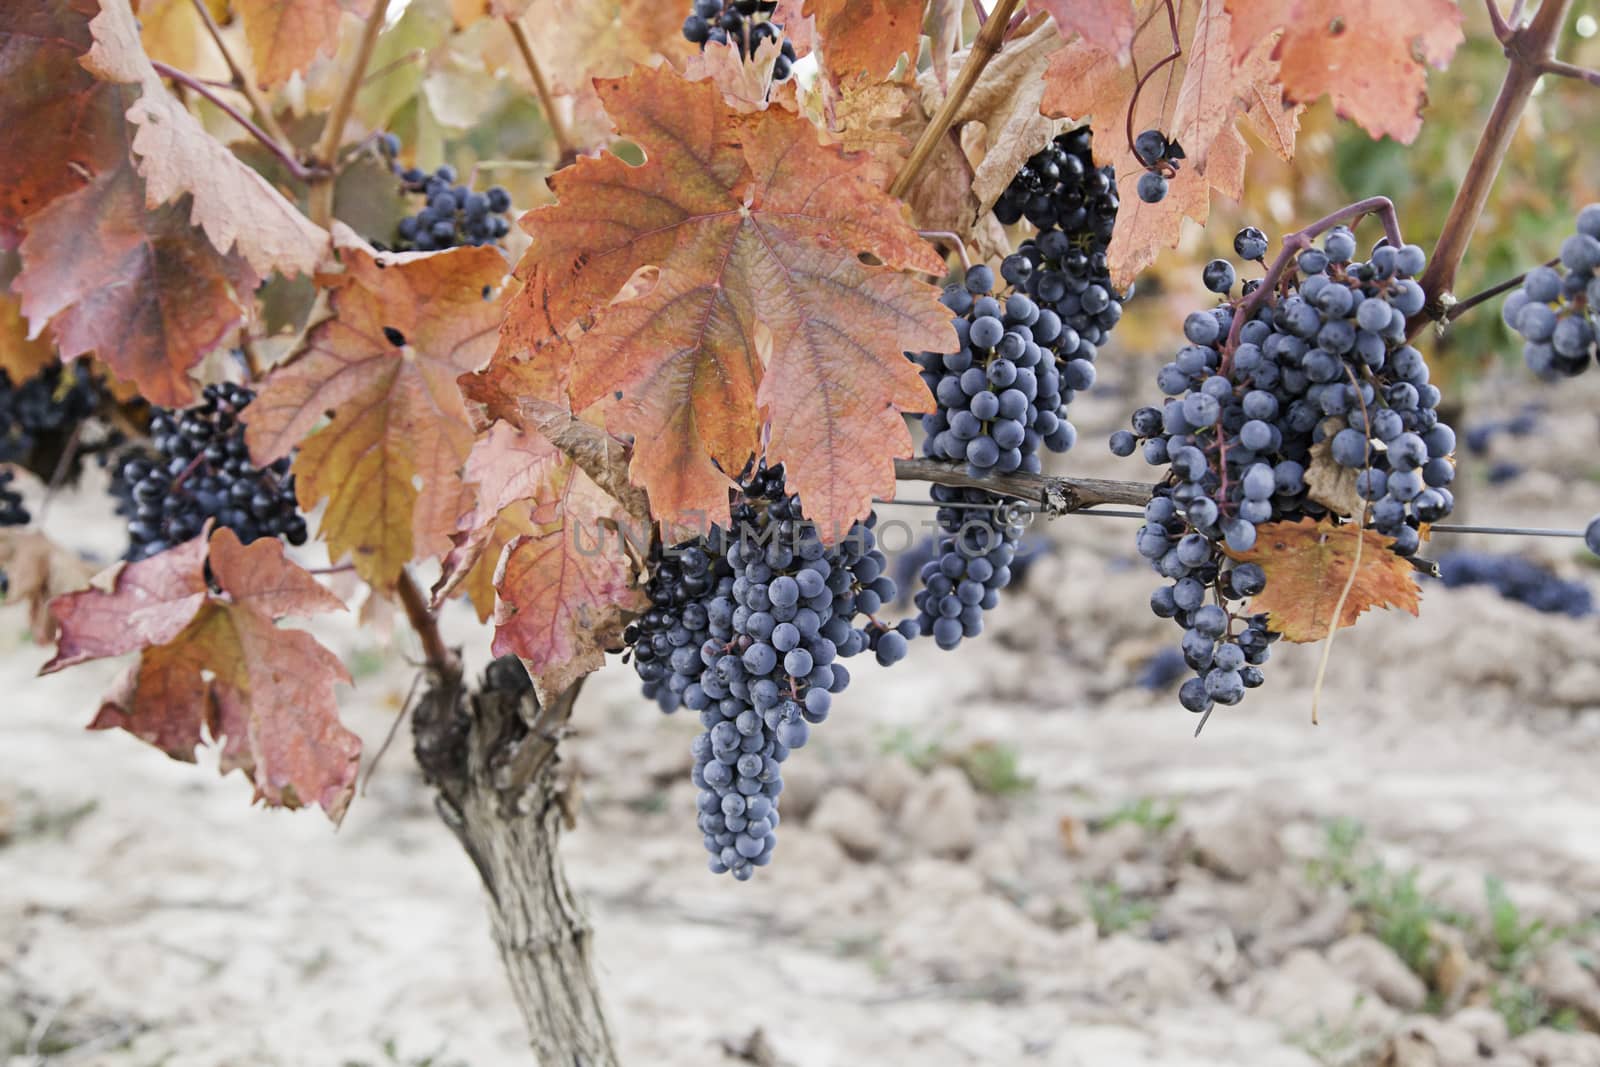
[[492, 755]]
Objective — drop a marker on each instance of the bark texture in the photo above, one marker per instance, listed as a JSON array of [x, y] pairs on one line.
[[492, 755]]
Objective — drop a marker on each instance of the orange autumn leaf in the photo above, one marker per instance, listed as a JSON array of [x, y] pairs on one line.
[[567, 586], [59, 125], [373, 406], [286, 35], [1108, 25], [215, 666], [762, 310], [238, 208], [1308, 564], [1369, 57], [20, 357], [862, 40]]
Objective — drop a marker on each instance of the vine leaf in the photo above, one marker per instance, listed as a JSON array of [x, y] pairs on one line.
[[567, 585], [39, 570], [1308, 564], [20, 357], [862, 40], [761, 307], [1212, 95], [373, 405], [578, 41], [238, 209], [1108, 25], [59, 125], [213, 664], [286, 35], [1369, 57], [142, 289]]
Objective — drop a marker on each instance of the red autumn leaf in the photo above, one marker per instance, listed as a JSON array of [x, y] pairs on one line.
[[131, 606], [141, 289], [862, 40], [381, 373], [1308, 564], [1369, 57], [215, 666], [59, 125], [1211, 95], [238, 209], [286, 35], [756, 228], [260, 577], [1106, 24], [566, 587]]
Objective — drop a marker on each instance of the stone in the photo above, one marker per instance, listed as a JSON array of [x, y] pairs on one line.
[[1236, 839], [850, 819], [940, 814], [1553, 1048], [888, 781], [1371, 964], [1305, 992]]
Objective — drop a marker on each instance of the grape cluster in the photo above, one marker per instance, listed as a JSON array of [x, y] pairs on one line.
[[742, 23], [1318, 377], [47, 406], [778, 620], [1518, 579], [977, 544], [200, 469], [453, 215], [1074, 206], [12, 511], [665, 641], [1005, 390], [1557, 310]]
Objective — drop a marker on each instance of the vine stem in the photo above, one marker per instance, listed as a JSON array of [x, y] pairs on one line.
[[1297, 242], [300, 171], [1138, 87], [1461, 307], [558, 129], [984, 48], [426, 624], [263, 112], [321, 200], [1529, 49], [954, 239]]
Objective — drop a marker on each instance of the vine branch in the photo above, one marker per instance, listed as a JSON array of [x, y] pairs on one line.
[[1297, 242], [328, 147], [984, 48], [1052, 495], [263, 111], [1570, 70], [558, 129], [1528, 49], [440, 659], [300, 171]]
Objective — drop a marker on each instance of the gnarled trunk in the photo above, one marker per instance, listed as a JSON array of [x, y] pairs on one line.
[[492, 755]]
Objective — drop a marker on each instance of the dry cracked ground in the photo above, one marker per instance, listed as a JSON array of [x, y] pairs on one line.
[[1012, 854]]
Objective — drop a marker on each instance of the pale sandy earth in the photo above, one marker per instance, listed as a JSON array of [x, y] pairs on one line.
[[149, 915]]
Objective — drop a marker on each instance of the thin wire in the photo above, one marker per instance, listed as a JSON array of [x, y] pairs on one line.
[[1117, 513]]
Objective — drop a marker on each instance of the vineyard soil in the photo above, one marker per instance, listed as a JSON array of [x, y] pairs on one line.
[[150, 916]]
